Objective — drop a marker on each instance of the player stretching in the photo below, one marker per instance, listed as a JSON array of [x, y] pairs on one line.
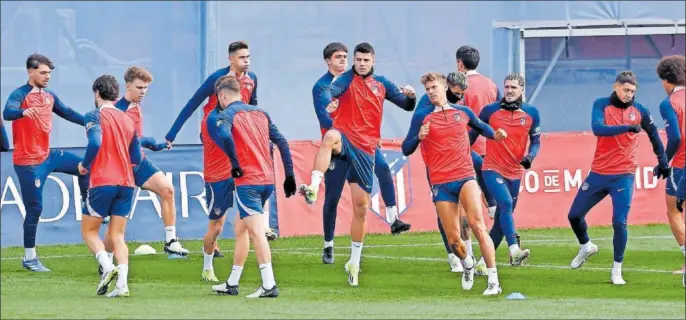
[[239, 63], [445, 146], [616, 121], [507, 160], [146, 175], [244, 133], [30, 109], [113, 148], [336, 58], [671, 71], [457, 86], [355, 137]]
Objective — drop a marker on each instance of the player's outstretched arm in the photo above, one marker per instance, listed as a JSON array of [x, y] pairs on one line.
[[320, 105], [396, 96], [671, 127], [65, 112], [205, 91], [411, 142], [13, 109], [649, 126], [481, 127], [151, 144], [94, 134], [337, 88], [600, 129], [135, 150], [5, 139]]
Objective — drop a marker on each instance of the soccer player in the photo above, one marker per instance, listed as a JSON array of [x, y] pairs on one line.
[[30, 109], [355, 137], [616, 121], [4, 138], [239, 65], [445, 148], [244, 133], [681, 196], [146, 175], [508, 159], [671, 70], [113, 149], [336, 58], [457, 86]]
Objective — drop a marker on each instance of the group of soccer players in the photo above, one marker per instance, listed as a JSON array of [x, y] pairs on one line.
[[476, 146]]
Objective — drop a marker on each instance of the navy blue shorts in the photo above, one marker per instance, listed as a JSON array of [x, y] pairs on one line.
[[449, 191], [107, 201], [251, 199], [143, 171], [672, 185], [360, 164], [219, 197]]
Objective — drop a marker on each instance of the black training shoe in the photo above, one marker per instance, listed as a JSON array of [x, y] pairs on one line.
[[327, 255], [399, 227], [225, 288]]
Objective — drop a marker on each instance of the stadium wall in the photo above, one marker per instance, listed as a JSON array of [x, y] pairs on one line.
[[182, 42]]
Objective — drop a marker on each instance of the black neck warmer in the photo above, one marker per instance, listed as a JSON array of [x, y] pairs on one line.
[[514, 105], [614, 99]]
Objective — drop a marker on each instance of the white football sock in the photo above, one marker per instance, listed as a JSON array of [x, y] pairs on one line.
[[587, 246], [104, 261], [170, 233], [513, 249], [29, 253], [468, 244], [111, 256], [122, 278], [267, 273], [235, 275], [207, 261], [328, 244], [316, 179], [355, 253], [617, 267], [468, 262], [683, 250], [391, 214], [492, 275]]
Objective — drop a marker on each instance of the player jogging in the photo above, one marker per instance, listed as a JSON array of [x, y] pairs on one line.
[[30, 109], [507, 160], [244, 133], [146, 175], [457, 86], [355, 137], [445, 146], [616, 121], [336, 58], [671, 70], [113, 149]]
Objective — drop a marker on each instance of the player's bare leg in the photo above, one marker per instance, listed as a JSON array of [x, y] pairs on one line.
[[240, 255], [448, 213], [360, 199], [331, 145], [117, 230], [470, 198], [159, 184], [214, 229], [90, 227], [256, 230], [676, 223]]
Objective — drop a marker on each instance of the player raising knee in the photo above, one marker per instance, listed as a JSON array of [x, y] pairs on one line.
[[244, 133], [113, 148], [355, 137], [508, 159], [616, 121], [336, 58], [30, 108], [445, 148], [671, 71]]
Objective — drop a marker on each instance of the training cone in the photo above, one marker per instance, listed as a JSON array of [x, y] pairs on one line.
[[144, 250], [515, 296]]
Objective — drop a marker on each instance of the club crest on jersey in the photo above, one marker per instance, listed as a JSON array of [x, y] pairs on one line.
[[584, 186], [458, 117], [632, 116], [522, 121], [46, 100], [89, 125], [248, 86], [400, 173]]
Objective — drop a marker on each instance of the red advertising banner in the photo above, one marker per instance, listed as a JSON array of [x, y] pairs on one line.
[[546, 192]]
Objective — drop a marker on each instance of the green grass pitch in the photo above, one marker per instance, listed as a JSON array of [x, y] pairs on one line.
[[403, 276]]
